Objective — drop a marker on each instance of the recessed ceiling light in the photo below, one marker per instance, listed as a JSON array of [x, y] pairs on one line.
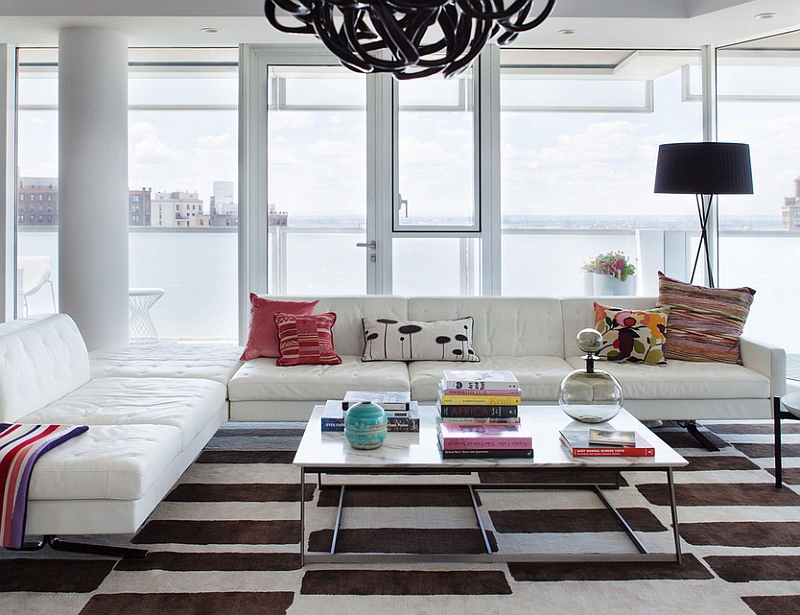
[[210, 30], [567, 31], [766, 15]]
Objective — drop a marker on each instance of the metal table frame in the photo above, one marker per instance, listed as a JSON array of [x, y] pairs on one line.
[[642, 553]]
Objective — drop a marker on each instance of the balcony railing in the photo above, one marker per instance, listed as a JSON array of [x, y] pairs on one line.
[[197, 268]]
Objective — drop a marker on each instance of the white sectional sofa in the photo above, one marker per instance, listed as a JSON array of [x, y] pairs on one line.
[[533, 337], [152, 406], [145, 429]]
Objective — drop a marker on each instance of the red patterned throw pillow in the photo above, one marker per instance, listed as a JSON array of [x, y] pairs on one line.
[[704, 323], [306, 340], [262, 336]]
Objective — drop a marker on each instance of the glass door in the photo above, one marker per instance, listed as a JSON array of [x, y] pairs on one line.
[[316, 181]]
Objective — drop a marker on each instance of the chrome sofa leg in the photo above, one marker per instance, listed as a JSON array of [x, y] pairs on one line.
[[691, 427], [80, 547], [777, 415]]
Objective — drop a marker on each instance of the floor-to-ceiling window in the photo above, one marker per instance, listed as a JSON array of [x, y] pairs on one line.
[[182, 202], [436, 201], [37, 182], [323, 213], [576, 146], [316, 125], [759, 104], [580, 134], [351, 162]]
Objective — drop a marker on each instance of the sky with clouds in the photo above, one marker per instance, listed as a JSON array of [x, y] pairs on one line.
[[576, 163]]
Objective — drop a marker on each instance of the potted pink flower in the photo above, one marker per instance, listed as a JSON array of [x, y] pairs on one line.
[[611, 273]]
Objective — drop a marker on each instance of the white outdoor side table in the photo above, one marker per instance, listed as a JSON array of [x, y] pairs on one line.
[[789, 409], [791, 403], [140, 301]]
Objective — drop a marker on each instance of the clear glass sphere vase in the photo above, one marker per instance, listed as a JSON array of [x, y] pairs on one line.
[[590, 395]]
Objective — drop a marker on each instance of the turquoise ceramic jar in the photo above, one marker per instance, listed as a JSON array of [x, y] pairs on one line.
[[365, 425]]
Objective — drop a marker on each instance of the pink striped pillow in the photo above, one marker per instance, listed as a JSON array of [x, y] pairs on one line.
[[704, 323], [306, 340]]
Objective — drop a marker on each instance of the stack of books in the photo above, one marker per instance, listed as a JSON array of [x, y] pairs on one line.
[[479, 396], [479, 412], [459, 441], [401, 411], [595, 442]]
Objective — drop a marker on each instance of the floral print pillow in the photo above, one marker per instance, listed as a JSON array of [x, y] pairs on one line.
[[635, 336]]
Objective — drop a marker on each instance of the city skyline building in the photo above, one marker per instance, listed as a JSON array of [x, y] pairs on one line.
[[790, 212], [37, 201], [178, 209], [139, 205], [37, 205], [222, 202]]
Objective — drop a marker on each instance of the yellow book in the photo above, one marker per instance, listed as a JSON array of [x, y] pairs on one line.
[[480, 400]]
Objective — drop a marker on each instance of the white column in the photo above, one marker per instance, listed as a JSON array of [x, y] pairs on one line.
[[93, 183]]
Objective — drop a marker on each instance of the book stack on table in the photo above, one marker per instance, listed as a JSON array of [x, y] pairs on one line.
[[479, 412], [401, 411]]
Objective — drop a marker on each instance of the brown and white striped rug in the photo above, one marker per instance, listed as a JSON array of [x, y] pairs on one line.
[[225, 541]]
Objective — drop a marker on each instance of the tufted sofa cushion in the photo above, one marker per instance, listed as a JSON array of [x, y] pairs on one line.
[[515, 327], [116, 462], [168, 358], [42, 358], [187, 404]]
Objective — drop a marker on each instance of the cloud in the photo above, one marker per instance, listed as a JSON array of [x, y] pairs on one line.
[[773, 153], [216, 141], [152, 150], [140, 130], [604, 168], [332, 148], [290, 120]]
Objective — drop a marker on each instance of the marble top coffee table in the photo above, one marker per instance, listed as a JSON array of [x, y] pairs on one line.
[[327, 453]]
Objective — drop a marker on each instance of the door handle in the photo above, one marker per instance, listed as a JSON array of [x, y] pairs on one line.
[[371, 245]]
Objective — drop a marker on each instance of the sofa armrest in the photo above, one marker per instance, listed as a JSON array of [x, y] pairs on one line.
[[765, 359]]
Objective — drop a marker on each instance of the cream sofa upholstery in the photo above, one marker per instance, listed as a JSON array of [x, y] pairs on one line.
[[143, 431], [533, 337]]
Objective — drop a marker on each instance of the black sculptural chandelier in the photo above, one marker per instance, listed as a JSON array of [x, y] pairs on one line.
[[422, 37]]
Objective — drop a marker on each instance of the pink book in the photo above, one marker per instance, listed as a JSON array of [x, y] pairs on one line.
[[455, 436]]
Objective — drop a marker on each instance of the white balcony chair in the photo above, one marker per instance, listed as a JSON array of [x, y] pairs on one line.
[[35, 272]]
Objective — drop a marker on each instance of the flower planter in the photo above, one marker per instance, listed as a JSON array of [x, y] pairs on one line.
[[596, 284]]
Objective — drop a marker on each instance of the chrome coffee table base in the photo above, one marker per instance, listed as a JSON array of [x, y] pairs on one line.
[[418, 454], [490, 556]]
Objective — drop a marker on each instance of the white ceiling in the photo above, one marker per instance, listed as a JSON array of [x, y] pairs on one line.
[[597, 23]]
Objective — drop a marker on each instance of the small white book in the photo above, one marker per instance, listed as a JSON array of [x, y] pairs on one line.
[[391, 401], [479, 379]]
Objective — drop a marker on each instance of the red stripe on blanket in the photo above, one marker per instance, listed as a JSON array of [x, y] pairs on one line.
[[20, 447]]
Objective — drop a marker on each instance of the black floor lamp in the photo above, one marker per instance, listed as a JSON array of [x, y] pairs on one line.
[[704, 169]]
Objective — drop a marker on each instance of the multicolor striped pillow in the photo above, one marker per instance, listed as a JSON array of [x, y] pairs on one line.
[[704, 323]]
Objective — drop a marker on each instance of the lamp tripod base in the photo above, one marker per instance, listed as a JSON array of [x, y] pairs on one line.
[[704, 213]]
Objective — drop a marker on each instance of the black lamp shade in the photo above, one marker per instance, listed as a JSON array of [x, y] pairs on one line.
[[704, 168]]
